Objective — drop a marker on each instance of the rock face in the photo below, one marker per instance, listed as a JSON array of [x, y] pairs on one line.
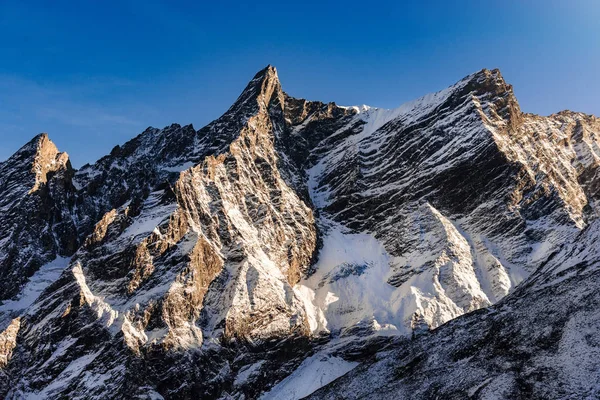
[[290, 243], [36, 217], [8, 341]]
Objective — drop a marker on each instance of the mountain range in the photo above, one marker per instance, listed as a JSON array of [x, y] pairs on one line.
[[445, 249]]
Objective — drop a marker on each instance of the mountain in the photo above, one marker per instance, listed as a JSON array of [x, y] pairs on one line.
[[36, 200], [539, 342], [294, 248]]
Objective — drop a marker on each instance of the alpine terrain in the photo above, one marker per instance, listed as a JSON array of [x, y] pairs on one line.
[[445, 249]]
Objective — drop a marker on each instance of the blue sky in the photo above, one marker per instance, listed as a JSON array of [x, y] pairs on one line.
[[94, 74]]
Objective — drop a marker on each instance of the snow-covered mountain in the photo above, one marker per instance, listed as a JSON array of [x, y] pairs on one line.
[[291, 242], [539, 342]]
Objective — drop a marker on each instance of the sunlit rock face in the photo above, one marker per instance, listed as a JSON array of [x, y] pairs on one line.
[[282, 245]]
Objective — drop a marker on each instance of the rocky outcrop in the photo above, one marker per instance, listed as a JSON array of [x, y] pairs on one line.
[[8, 341]]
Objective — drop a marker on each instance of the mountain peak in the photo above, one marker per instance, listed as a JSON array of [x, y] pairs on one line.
[[485, 72], [45, 157], [268, 70], [491, 80], [45, 144], [490, 85], [259, 92], [40, 143], [265, 77]]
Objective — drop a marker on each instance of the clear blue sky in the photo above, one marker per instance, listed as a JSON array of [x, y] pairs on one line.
[[94, 74]]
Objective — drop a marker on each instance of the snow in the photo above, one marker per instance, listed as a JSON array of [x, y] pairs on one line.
[[72, 371], [350, 283], [60, 351], [314, 373], [179, 168], [361, 292], [246, 372], [456, 265], [153, 214], [408, 112], [437, 294], [367, 140], [43, 278], [104, 312]]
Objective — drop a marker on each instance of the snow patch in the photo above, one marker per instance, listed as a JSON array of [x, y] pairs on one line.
[[350, 283], [43, 278], [179, 168], [153, 214], [314, 373], [246, 372]]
